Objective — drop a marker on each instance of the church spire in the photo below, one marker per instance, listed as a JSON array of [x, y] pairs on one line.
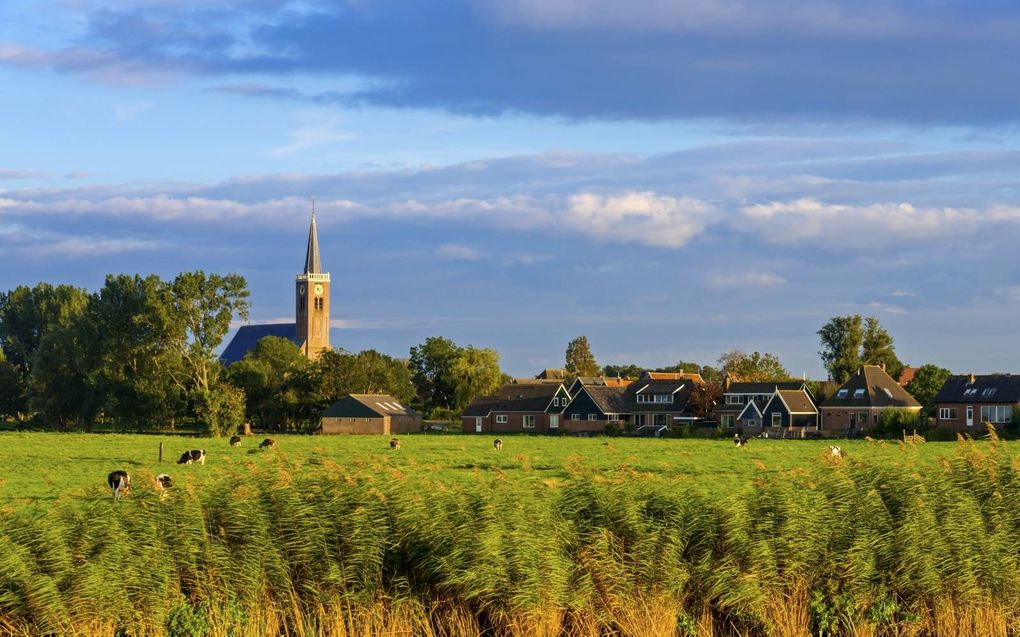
[[313, 264]]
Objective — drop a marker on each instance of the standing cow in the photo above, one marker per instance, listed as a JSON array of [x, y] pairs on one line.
[[120, 483], [195, 455], [497, 444], [235, 441]]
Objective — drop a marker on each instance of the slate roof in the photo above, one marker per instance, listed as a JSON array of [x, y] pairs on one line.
[[880, 390], [610, 399], [763, 388], [1006, 389], [248, 336], [798, 401], [367, 405], [514, 397], [552, 374]]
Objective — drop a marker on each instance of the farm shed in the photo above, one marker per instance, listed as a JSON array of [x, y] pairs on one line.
[[369, 414]]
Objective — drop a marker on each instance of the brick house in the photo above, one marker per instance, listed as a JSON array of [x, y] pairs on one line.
[[966, 403], [517, 408], [742, 402], [368, 414], [661, 403], [595, 406], [790, 409], [859, 403]]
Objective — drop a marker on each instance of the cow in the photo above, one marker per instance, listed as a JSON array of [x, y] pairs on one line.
[[739, 440], [119, 482], [163, 482], [394, 443], [835, 451], [497, 444], [268, 443], [195, 455], [235, 441]]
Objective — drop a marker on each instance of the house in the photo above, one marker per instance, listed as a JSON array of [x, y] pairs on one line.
[[742, 402], [966, 402], [602, 381], [517, 408], [594, 407], [661, 403], [906, 376], [790, 409], [693, 376], [368, 414], [859, 403]]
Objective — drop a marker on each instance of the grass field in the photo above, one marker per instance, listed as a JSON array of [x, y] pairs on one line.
[[550, 536]]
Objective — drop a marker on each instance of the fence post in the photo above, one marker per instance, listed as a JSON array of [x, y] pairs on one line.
[[161, 452]]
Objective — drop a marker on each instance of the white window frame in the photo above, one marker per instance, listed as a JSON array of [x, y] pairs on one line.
[[728, 421], [777, 419], [734, 399], [575, 416], [947, 413], [502, 419], [593, 416], [613, 417], [859, 393], [528, 421], [842, 393], [998, 414]]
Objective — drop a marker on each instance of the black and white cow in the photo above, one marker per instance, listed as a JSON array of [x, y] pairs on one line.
[[268, 443], [195, 455], [394, 443], [235, 441], [835, 451], [739, 440], [120, 483], [163, 482], [497, 444]]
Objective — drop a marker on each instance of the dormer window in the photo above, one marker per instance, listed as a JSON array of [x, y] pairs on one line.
[[733, 399], [842, 393], [990, 391], [858, 393]]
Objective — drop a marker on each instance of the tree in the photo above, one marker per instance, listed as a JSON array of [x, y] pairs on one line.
[[926, 384], [841, 338], [477, 373], [580, 360], [850, 341], [12, 389], [704, 397], [65, 371], [367, 372], [271, 376], [878, 348], [754, 367], [431, 366], [622, 371]]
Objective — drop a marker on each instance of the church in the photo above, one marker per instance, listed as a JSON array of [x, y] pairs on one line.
[[310, 331]]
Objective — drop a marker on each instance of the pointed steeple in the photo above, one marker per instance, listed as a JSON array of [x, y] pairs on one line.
[[313, 264]]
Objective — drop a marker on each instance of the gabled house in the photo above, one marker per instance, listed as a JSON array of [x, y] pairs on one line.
[[693, 376], [368, 414], [789, 409], [594, 407], [517, 408], [743, 402], [859, 403], [661, 403], [966, 403], [599, 381]]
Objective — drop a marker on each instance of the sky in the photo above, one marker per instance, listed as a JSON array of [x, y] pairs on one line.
[[672, 179]]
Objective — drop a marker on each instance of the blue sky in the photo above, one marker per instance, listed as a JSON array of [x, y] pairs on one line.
[[672, 179]]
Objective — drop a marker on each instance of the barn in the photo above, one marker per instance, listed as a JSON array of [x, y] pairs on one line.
[[369, 414]]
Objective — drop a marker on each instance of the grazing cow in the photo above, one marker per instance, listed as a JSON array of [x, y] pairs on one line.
[[195, 455], [119, 482], [235, 441], [394, 443], [498, 444], [163, 482], [739, 440], [835, 451], [268, 443]]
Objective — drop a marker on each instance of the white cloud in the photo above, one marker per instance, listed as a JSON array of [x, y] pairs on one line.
[[639, 217], [316, 129], [458, 252], [124, 112], [747, 280]]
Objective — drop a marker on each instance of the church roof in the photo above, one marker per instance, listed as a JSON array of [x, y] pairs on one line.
[[249, 335], [313, 262]]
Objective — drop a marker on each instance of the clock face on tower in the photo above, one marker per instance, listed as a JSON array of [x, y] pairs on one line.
[[318, 290], [301, 289]]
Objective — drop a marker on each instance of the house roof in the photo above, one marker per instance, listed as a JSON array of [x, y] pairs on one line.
[[798, 401], [514, 397], [610, 399], [878, 389], [367, 405], [552, 374], [673, 376], [752, 410], [907, 375], [679, 389], [248, 336], [990, 388], [763, 388]]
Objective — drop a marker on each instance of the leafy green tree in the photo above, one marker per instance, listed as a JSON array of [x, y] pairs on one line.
[[753, 368], [12, 390], [878, 348], [477, 373], [580, 361], [842, 339], [704, 397], [63, 385], [893, 422], [431, 366], [927, 382], [272, 377], [367, 372], [622, 371]]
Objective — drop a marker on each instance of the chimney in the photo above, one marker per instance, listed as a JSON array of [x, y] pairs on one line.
[[883, 367], [972, 378]]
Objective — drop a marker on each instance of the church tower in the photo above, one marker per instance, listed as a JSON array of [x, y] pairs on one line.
[[312, 298]]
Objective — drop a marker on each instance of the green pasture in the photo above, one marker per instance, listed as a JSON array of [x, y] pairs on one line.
[[40, 468]]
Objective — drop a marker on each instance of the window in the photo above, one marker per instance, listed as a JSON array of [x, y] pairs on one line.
[[593, 416], [529, 422], [663, 398], [947, 413], [556, 401], [990, 391], [970, 392], [733, 399], [842, 393], [575, 416], [777, 420], [726, 421], [996, 413], [613, 417], [501, 419], [858, 393]]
